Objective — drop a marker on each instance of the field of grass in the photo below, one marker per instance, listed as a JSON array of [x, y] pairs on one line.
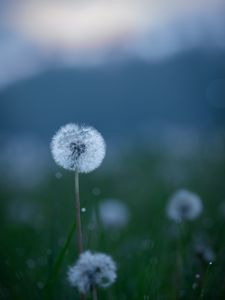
[[156, 258]]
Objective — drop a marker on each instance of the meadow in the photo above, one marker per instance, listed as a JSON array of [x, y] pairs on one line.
[[156, 258]]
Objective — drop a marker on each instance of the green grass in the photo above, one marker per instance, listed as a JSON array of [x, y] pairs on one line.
[[36, 253]]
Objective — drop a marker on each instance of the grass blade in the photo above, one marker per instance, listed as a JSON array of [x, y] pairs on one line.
[[59, 261]]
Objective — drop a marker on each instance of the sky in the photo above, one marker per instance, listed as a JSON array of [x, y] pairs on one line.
[[39, 35], [122, 66]]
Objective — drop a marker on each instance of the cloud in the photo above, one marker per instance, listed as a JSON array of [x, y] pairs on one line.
[[94, 32]]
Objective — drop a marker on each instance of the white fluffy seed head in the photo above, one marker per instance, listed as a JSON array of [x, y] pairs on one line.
[[184, 205], [92, 269], [78, 148]]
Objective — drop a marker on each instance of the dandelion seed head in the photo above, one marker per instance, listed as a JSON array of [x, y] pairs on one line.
[[78, 148], [92, 269], [184, 205]]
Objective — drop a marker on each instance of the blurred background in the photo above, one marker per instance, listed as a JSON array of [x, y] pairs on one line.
[[150, 76]]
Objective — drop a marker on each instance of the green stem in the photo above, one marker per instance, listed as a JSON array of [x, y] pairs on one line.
[[78, 218], [94, 293], [202, 292], [179, 260]]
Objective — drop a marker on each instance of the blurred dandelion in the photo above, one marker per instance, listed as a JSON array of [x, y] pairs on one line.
[[184, 205], [204, 252], [113, 213], [92, 270]]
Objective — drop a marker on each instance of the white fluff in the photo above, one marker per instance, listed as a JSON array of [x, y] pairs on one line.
[[78, 148], [92, 269], [184, 205]]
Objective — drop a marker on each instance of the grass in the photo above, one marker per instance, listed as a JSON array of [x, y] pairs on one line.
[[37, 250]]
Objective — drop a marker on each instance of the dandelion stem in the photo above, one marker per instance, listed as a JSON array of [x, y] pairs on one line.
[[179, 261], [202, 292], [78, 218], [94, 293]]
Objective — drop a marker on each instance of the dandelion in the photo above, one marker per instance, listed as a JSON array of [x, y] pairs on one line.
[[113, 213], [78, 148], [184, 205], [92, 270], [205, 253]]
